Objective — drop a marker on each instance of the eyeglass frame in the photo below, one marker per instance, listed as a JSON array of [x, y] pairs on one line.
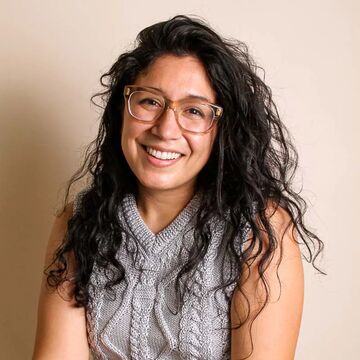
[[169, 104]]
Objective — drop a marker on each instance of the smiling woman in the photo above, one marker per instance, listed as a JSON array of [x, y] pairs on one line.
[[146, 144], [186, 242]]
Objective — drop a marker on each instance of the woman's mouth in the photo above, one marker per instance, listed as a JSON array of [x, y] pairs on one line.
[[162, 155]]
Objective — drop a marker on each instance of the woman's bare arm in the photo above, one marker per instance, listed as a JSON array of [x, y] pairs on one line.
[[61, 328], [276, 329]]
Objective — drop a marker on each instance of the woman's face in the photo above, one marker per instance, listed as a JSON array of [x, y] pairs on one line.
[[177, 78]]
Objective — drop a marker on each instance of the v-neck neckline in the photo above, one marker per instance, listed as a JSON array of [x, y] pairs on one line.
[[152, 242]]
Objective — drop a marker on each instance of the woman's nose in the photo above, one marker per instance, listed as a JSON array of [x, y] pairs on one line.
[[166, 126]]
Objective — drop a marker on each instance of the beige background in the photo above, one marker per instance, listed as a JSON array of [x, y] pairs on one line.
[[51, 56]]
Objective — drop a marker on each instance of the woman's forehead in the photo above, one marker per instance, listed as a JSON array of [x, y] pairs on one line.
[[178, 77]]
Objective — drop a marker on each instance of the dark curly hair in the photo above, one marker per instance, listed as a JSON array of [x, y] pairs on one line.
[[253, 161]]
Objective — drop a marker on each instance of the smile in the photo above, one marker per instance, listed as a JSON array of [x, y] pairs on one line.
[[162, 155]]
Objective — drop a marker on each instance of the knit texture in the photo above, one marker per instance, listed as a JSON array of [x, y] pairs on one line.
[[143, 323]]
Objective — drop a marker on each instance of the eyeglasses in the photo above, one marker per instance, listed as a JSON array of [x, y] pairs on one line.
[[192, 115]]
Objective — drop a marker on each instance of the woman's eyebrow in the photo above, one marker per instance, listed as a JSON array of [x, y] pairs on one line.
[[191, 96]]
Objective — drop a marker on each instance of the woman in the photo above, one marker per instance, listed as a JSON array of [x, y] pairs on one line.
[[186, 242]]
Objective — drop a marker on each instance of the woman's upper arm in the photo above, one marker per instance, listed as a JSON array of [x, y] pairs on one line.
[[61, 328], [276, 329]]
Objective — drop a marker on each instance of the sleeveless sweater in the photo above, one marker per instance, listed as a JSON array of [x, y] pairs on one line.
[[142, 322]]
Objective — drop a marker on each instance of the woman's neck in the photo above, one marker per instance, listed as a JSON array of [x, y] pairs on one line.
[[158, 208]]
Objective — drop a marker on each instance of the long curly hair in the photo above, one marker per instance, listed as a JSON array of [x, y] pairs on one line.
[[253, 161]]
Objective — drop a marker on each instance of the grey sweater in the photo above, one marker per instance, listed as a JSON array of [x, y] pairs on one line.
[[143, 323]]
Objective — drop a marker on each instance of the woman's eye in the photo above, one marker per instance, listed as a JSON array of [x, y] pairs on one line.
[[195, 112], [150, 102]]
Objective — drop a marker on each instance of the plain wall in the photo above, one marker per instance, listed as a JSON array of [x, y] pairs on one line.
[[51, 57]]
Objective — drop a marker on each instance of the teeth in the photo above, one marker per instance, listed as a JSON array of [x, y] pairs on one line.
[[162, 155]]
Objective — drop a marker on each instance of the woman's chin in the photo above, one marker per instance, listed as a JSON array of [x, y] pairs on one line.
[[160, 184]]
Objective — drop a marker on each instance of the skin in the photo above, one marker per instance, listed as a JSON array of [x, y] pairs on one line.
[[163, 193], [61, 329], [275, 331]]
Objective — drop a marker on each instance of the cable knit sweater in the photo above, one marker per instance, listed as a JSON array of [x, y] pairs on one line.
[[143, 323]]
